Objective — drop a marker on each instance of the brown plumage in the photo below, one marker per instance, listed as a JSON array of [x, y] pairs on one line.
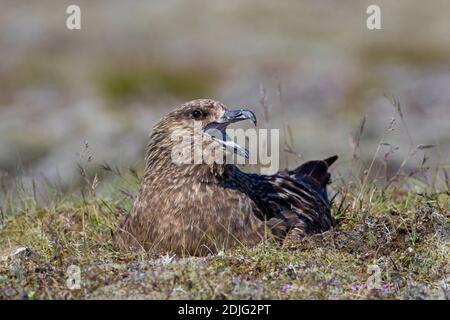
[[196, 209]]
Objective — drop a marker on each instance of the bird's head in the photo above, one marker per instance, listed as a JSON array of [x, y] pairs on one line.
[[194, 127]]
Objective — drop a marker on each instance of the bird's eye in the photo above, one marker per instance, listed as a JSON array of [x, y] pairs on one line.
[[196, 114]]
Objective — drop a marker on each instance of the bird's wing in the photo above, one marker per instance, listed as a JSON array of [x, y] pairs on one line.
[[300, 199], [316, 169], [300, 204], [289, 201]]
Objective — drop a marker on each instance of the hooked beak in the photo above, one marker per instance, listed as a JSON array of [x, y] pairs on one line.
[[216, 129]]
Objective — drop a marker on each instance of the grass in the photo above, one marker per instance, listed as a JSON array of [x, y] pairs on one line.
[[391, 241], [404, 234]]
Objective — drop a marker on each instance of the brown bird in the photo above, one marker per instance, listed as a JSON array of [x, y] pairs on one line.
[[201, 208]]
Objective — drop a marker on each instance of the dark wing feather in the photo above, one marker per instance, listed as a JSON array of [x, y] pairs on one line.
[[317, 169], [298, 204], [290, 201]]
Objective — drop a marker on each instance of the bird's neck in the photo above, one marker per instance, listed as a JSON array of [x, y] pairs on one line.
[[159, 167], [187, 173], [159, 163]]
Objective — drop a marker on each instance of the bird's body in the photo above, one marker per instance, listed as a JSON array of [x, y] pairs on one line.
[[197, 209], [190, 214]]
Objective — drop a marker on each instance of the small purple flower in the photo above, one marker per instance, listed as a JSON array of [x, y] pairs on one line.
[[285, 288], [356, 287], [385, 288]]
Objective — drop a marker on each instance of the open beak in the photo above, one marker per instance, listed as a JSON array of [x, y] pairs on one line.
[[217, 129]]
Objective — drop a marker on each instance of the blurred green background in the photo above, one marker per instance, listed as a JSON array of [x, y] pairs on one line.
[[133, 61]]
